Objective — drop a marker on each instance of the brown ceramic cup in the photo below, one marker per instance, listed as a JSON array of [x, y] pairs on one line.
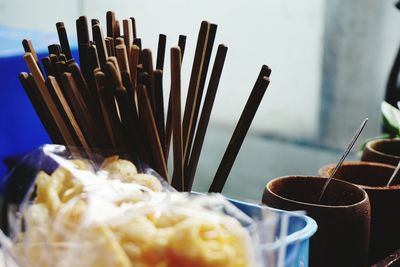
[[385, 218], [343, 217], [382, 150]]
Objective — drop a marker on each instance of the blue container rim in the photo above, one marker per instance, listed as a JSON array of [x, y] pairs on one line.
[[305, 233]]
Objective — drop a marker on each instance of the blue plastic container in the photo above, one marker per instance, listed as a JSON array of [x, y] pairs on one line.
[[295, 243]]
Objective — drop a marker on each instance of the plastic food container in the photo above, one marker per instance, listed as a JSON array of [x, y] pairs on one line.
[[292, 249], [290, 235]]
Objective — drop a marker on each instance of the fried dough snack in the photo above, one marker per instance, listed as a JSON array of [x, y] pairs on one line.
[[123, 220]]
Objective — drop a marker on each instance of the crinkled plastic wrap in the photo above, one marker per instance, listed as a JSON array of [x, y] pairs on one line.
[[109, 211]]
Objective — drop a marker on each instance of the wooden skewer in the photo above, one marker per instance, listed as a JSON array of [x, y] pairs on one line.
[[162, 40], [151, 130], [197, 103], [239, 134], [178, 176], [194, 84], [45, 95], [32, 91], [191, 165]]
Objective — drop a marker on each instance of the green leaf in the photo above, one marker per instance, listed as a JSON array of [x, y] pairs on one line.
[[391, 119]]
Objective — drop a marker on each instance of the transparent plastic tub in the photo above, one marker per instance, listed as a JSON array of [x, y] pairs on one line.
[[283, 237]]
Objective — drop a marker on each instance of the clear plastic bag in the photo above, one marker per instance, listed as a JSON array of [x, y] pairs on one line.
[[66, 210]]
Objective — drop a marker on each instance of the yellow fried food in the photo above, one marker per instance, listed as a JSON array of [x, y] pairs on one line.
[[108, 223], [121, 168], [126, 171], [174, 239]]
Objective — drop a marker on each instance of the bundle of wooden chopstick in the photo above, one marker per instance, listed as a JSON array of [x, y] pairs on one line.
[[114, 99]]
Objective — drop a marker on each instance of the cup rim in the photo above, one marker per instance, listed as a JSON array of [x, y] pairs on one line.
[[373, 142], [364, 199], [364, 163]]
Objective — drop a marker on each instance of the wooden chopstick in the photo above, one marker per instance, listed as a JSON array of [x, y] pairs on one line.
[[148, 67], [133, 22], [240, 132], [128, 34], [94, 22], [182, 44], [110, 116], [151, 130], [62, 36], [45, 95], [125, 108], [194, 84], [133, 62], [110, 17], [129, 89], [54, 49], [168, 124], [69, 118], [162, 40], [28, 48], [203, 76], [82, 30], [110, 46], [48, 66], [191, 165], [100, 44], [117, 30], [32, 91], [159, 103], [122, 57], [178, 174], [79, 109]]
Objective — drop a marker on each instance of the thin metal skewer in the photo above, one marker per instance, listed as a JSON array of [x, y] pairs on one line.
[[346, 152], [394, 174]]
